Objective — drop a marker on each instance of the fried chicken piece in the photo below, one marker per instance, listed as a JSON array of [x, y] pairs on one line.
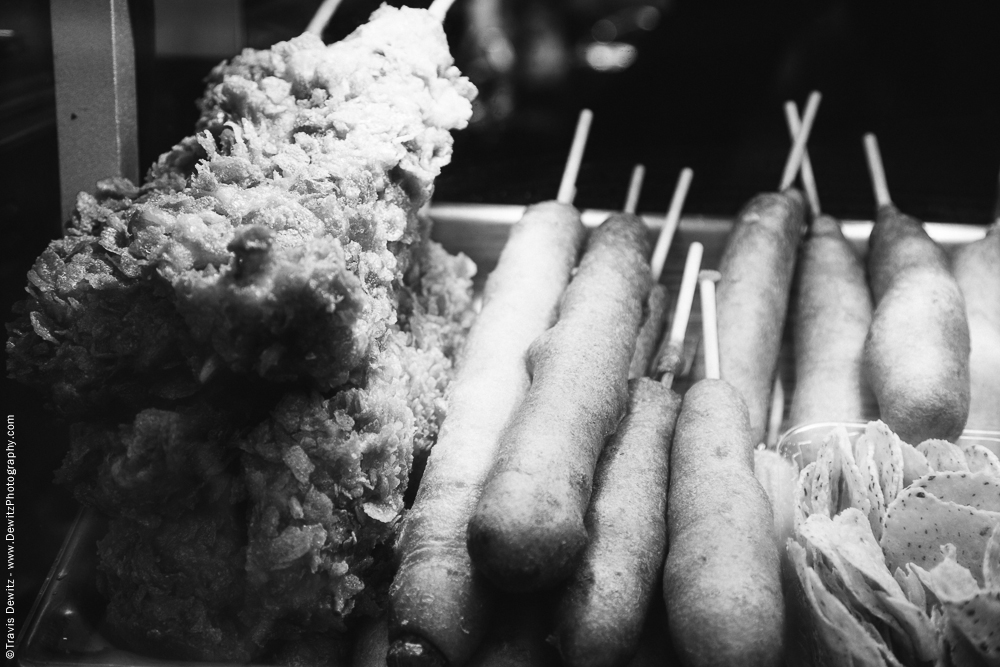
[[276, 220], [325, 479], [278, 253], [99, 330]]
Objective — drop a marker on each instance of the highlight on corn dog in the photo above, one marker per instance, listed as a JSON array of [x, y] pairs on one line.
[[604, 606], [917, 351], [722, 576], [439, 606], [757, 267], [527, 532]]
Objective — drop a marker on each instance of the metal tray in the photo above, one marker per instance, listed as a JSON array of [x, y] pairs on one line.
[[64, 626]]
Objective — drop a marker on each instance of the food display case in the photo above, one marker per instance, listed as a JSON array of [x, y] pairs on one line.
[[672, 84]]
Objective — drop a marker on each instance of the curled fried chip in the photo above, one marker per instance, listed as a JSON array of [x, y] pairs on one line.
[[886, 449], [978, 618], [803, 494], [872, 486], [991, 561], [942, 455], [921, 635], [971, 612], [837, 482], [918, 523], [850, 564], [980, 459], [979, 490], [847, 541], [845, 638], [948, 580], [910, 583], [915, 464]]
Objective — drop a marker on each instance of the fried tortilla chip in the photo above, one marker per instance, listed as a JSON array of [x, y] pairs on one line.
[[970, 611], [847, 540], [942, 455], [850, 564], [991, 561], [979, 490], [915, 464], [868, 469], [887, 452], [803, 494], [910, 583], [980, 459], [923, 643], [846, 638], [918, 523], [837, 481]]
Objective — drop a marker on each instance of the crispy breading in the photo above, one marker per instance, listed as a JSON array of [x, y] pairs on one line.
[[256, 340]]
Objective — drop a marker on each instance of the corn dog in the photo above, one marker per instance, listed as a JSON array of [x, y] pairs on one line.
[[602, 611], [436, 598], [834, 311], [757, 267], [722, 577], [977, 270], [528, 529], [917, 350]]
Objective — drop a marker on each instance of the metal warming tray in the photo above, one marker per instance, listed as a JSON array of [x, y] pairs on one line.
[[65, 624]]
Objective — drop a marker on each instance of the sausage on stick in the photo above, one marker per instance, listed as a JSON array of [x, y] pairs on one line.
[[917, 351], [757, 267], [528, 530], [722, 577], [833, 314], [439, 605], [603, 609]]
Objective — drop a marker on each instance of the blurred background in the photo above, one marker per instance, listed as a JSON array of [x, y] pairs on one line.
[[673, 83]]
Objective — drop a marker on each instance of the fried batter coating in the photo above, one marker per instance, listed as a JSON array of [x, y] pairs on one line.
[[276, 219], [274, 263]]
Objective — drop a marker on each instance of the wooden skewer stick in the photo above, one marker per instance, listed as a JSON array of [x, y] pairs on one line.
[[439, 8], [634, 188], [877, 171], [682, 313], [322, 16], [567, 187], [799, 146], [666, 237], [777, 415], [709, 322], [808, 178]]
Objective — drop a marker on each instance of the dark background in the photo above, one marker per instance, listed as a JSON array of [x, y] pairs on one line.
[[705, 91]]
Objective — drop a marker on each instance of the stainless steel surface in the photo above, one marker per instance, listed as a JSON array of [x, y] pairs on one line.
[[94, 66]]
